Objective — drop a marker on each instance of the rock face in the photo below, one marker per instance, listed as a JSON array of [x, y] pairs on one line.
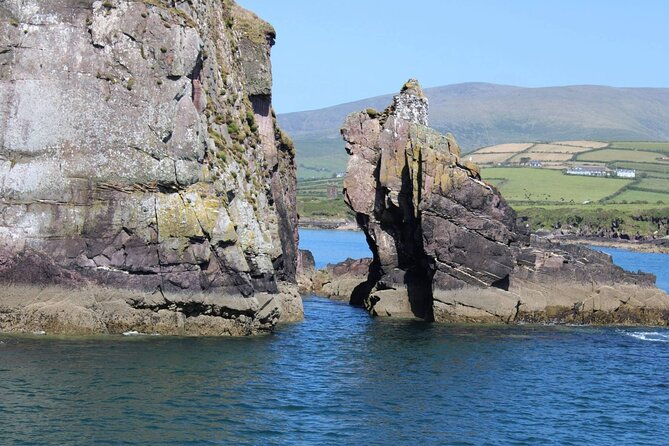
[[139, 150], [343, 281], [306, 268], [447, 247]]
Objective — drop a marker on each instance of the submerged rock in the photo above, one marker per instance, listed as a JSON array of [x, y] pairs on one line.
[[447, 247], [139, 151]]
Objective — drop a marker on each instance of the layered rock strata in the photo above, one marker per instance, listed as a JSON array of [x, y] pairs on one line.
[[447, 247], [139, 151]]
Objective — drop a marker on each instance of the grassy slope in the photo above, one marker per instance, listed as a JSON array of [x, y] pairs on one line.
[[638, 206], [629, 219], [320, 158]]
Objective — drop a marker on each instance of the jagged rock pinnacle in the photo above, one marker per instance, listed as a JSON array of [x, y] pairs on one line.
[[411, 104], [447, 246]]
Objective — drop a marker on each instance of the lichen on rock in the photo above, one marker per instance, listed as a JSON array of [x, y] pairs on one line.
[[138, 148], [446, 245]]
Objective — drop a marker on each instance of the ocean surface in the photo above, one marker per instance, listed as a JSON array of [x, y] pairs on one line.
[[334, 246], [341, 378], [657, 264]]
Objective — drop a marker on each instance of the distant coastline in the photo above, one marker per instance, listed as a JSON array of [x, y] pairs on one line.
[[650, 246], [660, 246], [338, 224]]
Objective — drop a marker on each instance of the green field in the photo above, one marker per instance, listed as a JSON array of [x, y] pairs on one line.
[[641, 196], [653, 185], [661, 147], [608, 155], [313, 202], [523, 185], [645, 157], [323, 208], [317, 187]]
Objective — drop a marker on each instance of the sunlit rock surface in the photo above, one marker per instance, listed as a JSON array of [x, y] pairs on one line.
[[139, 151], [446, 245]]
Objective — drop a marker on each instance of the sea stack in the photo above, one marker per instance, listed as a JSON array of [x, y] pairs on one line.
[[446, 246], [145, 184]]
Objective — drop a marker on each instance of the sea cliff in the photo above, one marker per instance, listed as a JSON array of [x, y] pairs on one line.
[[142, 170]]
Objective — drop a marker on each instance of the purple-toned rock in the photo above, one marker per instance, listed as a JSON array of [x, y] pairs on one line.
[[446, 245], [138, 150]]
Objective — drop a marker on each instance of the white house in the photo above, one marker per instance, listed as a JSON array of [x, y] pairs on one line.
[[626, 173], [587, 171]]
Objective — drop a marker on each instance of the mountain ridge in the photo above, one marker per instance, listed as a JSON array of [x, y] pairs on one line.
[[292, 120]]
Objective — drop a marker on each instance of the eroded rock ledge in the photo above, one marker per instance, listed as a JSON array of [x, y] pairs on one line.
[[139, 151], [447, 246]]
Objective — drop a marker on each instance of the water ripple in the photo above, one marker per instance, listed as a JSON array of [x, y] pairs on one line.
[[340, 378]]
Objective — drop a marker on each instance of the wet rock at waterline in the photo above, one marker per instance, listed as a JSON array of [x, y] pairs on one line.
[[446, 245], [139, 152]]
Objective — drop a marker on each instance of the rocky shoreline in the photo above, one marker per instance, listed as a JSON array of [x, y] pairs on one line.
[[659, 246], [146, 186], [58, 310], [338, 224], [557, 302]]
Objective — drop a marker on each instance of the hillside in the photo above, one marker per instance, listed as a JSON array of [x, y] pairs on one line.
[[485, 114]]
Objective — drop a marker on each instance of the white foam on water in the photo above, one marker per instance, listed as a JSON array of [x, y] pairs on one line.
[[652, 336], [133, 333], [39, 332]]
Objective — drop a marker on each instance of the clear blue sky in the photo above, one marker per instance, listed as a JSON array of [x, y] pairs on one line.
[[330, 52]]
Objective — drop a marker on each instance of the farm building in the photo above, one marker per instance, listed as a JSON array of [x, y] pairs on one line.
[[626, 173], [535, 164], [588, 171]]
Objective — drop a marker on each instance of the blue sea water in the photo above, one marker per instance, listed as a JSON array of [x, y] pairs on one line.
[[334, 246], [648, 262], [342, 378]]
